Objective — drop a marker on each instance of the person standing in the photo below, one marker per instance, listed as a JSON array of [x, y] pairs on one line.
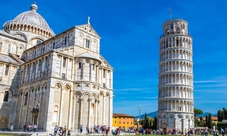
[[107, 130], [68, 133], [11, 127], [87, 128], [222, 132], [34, 127], [55, 130], [64, 131], [81, 129], [24, 127]]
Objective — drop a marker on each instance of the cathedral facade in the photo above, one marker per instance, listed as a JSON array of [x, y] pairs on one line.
[[175, 100], [48, 79]]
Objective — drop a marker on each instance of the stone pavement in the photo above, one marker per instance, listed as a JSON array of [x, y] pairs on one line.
[[26, 133]]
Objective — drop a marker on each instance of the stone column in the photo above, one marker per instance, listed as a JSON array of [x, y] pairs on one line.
[[70, 120], [96, 68], [74, 111], [89, 111], [21, 109], [61, 106], [111, 111], [27, 107], [81, 109], [183, 130], [40, 108], [104, 109], [96, 111], [175, 124]]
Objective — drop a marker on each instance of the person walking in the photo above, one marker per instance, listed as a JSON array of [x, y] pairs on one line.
[[55, 130]]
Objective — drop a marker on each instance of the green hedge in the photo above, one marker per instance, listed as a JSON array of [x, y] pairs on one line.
[[222, 125]]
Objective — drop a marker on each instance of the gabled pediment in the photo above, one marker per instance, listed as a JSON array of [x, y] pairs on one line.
[[89, 29]]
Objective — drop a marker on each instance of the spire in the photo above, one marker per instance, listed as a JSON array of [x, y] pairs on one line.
[[34, 7], [88, 19]]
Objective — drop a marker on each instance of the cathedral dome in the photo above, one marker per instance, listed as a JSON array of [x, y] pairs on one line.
[[28, 20]]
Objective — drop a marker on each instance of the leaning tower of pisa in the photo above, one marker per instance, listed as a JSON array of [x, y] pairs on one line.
[[175, 100]]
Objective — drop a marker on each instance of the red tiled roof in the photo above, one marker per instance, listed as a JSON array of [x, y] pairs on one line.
[[122, 115]]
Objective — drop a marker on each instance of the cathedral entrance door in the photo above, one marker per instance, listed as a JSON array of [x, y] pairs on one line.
[[35, 119], [35, 113], [164, 127]]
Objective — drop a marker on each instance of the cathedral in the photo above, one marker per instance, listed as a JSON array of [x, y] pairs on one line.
[[48, 79]]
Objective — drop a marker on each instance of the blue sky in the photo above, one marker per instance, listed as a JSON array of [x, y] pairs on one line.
[[130, 31]]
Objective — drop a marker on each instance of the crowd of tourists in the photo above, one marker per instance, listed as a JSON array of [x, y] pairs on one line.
[[99, 129], [30, 128], [214, 132], [61, 131]]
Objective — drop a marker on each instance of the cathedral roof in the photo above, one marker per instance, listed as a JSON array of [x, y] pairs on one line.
[[88, 55], [30, 18], [8, 59]]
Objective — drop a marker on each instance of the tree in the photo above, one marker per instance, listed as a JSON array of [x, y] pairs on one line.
[[219, 115], [197, 123], [209, 124], [197, 111], [224, 112], [202, 123], [154, 124], [145, 121], [148, 121], [209, 121]]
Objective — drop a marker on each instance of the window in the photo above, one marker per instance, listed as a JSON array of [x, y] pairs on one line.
[[34, 54], [46, 62], [7, 70], [80, 65], [65, 41], [63, 75], [87, 43], [115, 121], [33, 68], [55, 114], [6, 96], [38, 42], [25, 98], [104, 73], [39, 66], [53, 45], [64, 62], [119, 122], [90, 71], [43, 50], [104, 85]]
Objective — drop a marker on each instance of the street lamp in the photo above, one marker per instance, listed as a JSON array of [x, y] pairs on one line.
[[139, 108]]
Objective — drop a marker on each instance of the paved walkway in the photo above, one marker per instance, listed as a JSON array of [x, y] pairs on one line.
[[26, 133]]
